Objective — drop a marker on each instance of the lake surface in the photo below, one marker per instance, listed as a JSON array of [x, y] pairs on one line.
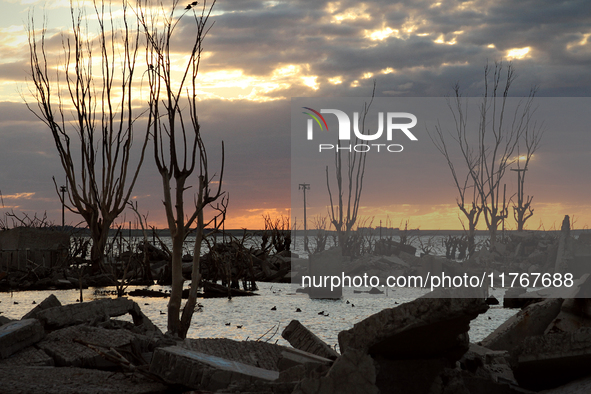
[[255, 316]]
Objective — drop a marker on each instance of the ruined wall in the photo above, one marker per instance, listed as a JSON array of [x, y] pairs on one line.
[[45, 247]]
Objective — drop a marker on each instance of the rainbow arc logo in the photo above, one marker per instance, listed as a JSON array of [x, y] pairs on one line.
[[316, 115]]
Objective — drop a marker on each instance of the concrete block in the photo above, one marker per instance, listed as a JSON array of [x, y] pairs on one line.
[[202, 371], [30, 356], [80, 313], [18, 335], [294, 357], [258, 354], [533, 320], [301, 338], [354, 372], [493, 365], [49, 302], [61, 347], [71, 380], [68, 315], [552, 360], [427, 327]]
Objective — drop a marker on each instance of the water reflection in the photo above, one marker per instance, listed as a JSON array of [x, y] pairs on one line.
[[255, 314]]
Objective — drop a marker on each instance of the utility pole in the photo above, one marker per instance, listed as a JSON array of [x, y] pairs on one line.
[[304, 187], [63, 190]]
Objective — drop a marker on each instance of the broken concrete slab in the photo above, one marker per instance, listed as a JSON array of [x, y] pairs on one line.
[[492, 365], [66, 380], [68, 315], [47, 303], [61, 345], [424, 328], [576, 311], [71, 314], [30, 356], [477, 384], [142, 321], [4, 320], [202, 371], [293, 357], [258, 354], [409, 375], [532, 320], [18, 335], [552, 360], [574, 314], [293, 374], [301, 338], [352, 373]]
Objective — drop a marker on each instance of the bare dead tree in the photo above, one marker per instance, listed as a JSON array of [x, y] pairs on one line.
[[523, 210], [343, 214], [87, 105], [178, 145], [320, 238], [143, 220], [498, 134], [468, 199]]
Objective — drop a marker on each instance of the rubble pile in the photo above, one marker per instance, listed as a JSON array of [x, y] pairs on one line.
[[420, 346]]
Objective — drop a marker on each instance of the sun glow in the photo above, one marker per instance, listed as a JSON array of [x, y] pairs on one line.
[[518, 53], [382, 34], [335, 80], [311, 81], [349, 14]]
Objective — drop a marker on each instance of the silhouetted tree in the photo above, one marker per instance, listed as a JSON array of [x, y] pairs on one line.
[[85, 99], [178, 146]]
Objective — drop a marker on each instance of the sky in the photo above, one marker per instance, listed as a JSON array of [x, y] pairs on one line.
[[259, 55]]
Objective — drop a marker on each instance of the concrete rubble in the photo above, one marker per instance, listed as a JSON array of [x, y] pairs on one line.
[[18, 335], [47, 303], [421, 346], [69, 380], [533, 320], [301, 338], [203, 371], [63, 346]]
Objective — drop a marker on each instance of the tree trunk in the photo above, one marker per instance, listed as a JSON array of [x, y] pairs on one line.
[[492, 231], [174, 303], [97, 252], [195, 279]]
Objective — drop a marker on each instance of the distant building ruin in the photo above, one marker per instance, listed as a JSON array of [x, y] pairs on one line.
[[46, 247]]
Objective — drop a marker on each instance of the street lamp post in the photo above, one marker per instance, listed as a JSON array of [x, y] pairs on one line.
[[63, 190]]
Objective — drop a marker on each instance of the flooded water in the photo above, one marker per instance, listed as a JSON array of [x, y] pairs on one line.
[[221, 317]]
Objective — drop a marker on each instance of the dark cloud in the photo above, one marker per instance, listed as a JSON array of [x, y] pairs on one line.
[[323, 40]]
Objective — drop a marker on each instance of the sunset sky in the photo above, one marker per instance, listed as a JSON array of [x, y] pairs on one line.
[[261, 54]]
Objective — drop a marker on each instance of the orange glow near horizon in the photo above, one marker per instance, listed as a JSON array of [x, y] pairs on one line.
[[441, 217], [547, 216]]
